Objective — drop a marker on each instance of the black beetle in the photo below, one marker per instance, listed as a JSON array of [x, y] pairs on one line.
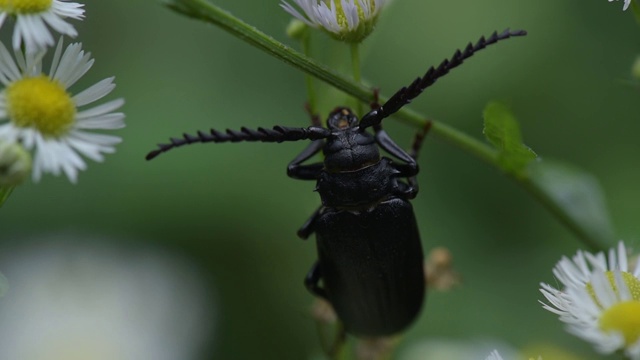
[[370, 257]]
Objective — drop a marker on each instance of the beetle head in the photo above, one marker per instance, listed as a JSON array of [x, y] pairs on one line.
[[342, 118]]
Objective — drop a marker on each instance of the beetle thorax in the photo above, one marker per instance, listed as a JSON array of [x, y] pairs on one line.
[[348, 148]]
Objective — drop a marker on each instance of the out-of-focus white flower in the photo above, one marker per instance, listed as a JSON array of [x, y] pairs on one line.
[[456, 350], [494, 356], [37, 111], [75, 301], [346, 20], [33, 17], [600, 300]]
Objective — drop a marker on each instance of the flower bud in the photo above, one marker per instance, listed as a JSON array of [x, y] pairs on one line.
[[15, 164]]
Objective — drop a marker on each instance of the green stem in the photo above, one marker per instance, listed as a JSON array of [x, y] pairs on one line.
[[308, 79], [205, 11], [202, 10], [355, 66], [4, 194]]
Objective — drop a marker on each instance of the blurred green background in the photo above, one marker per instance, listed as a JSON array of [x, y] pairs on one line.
[[232, 211]]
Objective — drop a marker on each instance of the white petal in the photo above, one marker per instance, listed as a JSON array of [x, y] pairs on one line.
[[59, 25], [622, 257], [94, 92], [8, 69], [68, 9], [107, 122], [100, 110], [291, 10], [100, 139]]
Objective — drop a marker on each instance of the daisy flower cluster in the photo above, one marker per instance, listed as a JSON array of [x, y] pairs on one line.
[[346, 20], [599, 300], [37, 110]]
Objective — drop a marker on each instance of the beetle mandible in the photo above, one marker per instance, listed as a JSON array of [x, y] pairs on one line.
[[370, 257]]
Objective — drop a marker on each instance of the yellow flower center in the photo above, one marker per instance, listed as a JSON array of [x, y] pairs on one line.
[[25, 6], [622, 317], [41, 103]]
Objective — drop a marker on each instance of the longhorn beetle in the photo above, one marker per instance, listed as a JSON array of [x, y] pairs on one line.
[[370, 257]]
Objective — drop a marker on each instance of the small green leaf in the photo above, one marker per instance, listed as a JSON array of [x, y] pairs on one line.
[[578, 197], [502, 130], [4, 193], [4, 285]]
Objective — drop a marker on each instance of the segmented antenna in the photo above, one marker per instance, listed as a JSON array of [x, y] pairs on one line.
[[277, 134], [408, 93]]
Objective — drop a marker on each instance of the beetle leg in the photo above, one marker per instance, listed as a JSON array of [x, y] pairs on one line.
[[306, 172], [312, 279], [408, 190], [410, 166], [315, 119], [419, 139], [409, 169], [412, 187], [309, 226], [375, 104]]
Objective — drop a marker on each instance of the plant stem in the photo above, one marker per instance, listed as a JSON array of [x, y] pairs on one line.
[[308, 79], [355, 66]]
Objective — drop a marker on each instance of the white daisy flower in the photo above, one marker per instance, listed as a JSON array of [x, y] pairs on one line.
[[346, 20], [600, 300], [33, 17], [37, 111], [626, 4]]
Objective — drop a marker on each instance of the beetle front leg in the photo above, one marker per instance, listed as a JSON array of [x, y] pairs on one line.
[[413, 187], [410, 166], [408, 170], [312, 280], [296, 170]]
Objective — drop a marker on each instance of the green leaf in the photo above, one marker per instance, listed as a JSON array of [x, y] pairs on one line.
[[576, 197], [502, 130], [4, 285], [4, 193]]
